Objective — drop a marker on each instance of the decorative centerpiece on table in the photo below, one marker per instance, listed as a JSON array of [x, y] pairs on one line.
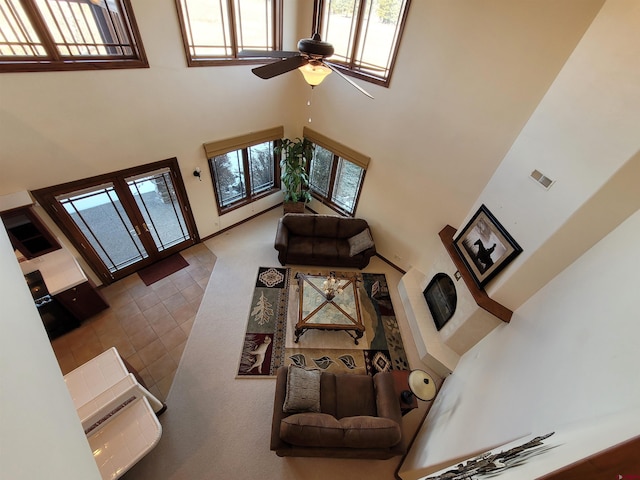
[[331, 287]]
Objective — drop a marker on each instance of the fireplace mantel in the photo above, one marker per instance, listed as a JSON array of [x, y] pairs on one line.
[[480, 296]]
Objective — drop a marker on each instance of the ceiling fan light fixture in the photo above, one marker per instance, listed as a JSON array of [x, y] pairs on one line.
[[314, 74]]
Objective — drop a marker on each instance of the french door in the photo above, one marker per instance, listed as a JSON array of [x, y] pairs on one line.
[[125, 220]]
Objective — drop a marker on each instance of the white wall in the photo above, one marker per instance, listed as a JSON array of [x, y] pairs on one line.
[[566, 355], [568, 358], [40, 433], [585, 130]]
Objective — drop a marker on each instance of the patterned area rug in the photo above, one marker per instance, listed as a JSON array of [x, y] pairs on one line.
[[263, 349], [269, 339]]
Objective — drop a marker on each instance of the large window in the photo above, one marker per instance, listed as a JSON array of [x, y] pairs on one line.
[[215, 31], [365, 35], [336, 173], [244, 169], [68, 35]]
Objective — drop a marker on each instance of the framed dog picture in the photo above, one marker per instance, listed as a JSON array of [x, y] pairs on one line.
[[485, 246]]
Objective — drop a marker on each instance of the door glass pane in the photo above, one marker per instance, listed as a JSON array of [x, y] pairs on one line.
[[99, 215], [156, 199], [347, 185], [321, 170], [261, 164], [228, 173]]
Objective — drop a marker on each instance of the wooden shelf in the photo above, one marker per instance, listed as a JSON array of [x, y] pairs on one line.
[[479, 295]]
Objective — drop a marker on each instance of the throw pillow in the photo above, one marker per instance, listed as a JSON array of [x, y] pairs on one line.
[[303, 390], [360, 242]]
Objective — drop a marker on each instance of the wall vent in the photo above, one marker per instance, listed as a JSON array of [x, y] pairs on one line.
[[542, 180]]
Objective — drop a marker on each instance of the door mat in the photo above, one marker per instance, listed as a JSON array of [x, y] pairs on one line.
[[162, 269], [269, 338]]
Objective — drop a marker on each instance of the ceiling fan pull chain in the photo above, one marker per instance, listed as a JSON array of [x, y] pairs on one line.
[[310, 104]]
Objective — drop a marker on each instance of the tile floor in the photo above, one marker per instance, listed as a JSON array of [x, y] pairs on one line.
[[149, 325]]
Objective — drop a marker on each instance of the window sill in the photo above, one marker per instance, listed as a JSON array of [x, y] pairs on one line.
[[48, 66]]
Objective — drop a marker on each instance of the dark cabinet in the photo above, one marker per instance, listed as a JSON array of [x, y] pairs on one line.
[[82, 301], [27, 233], [56, 319]]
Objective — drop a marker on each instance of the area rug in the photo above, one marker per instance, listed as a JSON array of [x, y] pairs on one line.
[[263, 349], [163, 268], [269, 339]]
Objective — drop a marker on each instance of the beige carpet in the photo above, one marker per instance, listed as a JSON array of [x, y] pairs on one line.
[[218, 427]]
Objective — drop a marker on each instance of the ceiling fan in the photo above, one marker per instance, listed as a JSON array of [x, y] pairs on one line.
[[310, 59]]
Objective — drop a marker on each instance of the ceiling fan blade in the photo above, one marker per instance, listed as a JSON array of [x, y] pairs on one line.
[[274, 69], [267, 54], [335, 69]]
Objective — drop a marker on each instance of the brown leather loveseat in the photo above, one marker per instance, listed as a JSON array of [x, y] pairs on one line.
[[358, 417], [327, 240]]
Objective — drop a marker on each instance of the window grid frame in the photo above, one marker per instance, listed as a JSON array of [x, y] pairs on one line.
[[352, 65], [53, 60], [265, 187], [232, 24], [215, 177], [248, 195], [333, 177]]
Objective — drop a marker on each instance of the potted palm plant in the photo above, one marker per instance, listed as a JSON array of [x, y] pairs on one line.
[[294, 156]]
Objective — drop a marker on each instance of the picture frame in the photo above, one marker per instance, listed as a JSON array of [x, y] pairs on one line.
[[485, 246]]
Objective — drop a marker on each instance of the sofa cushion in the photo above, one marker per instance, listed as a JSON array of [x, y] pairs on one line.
[[300, 246], [311, 430], [360, 242], [355, 396], [323, 430], [351, 226], [328, 393], [370, 432], [325, 247], [299, 224], [303, 390], [326, 226]]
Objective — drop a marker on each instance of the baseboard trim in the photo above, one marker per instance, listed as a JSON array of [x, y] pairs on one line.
[[388, 262], [220, 232]]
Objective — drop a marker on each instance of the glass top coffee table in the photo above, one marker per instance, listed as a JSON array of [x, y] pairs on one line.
[[317, 312]]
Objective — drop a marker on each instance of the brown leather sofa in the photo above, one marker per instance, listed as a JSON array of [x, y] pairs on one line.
[[359, 417], [308, 239]]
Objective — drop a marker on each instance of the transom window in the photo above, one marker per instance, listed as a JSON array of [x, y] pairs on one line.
[[336, 173], [215, 31], [365, 35], [244, 169], [68, 35]]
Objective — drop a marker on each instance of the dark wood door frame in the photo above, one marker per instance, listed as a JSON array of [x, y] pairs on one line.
[[46, 197]]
